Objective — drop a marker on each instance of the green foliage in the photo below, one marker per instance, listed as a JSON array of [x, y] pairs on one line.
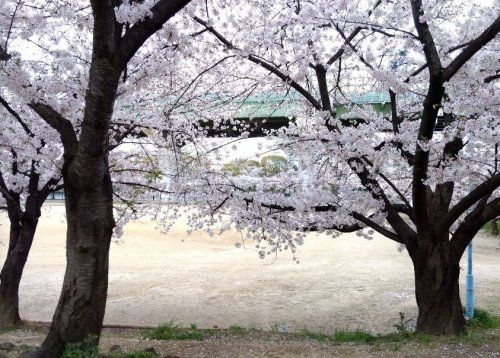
[[404, 333], [86, 349], [147, 353], [483, 320], [273, 164], [341, 336], [487, 227], [317, 336], [268, 166], [357, 336], [235, 329], [169, 331], [422, 338], [235, 168], [154, 174], [403, 326]]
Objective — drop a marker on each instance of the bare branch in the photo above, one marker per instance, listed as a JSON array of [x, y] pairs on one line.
[[471, 49]]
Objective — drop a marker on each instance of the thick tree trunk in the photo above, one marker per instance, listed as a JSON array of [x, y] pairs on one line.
[[437, 288], [81, 306], [21, 238]]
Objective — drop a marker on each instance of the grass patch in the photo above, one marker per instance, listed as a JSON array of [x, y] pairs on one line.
[[141, 354], [483, 320], [423, 338], [85, 349], [341, 336], [357, 336], [488, 227], [235, 329], [170, 331], [474, 335], [317, 336], [9, 329]]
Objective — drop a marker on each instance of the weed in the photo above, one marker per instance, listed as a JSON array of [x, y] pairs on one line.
[[86, 349], [403, 326], [423, 338], [341, 336], [357, 336], [318, 336], [170, 331], [141, 354], [483, 320], [235, 329], [275, 328]]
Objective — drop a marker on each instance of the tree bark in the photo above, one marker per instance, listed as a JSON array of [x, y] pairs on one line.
[[81, 306], [89, 211], [437, 288], [20, 240]]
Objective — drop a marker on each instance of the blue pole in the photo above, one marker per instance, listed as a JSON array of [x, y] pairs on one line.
[[469, 298]]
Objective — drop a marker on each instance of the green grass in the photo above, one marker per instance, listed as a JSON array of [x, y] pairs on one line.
[[170, 331], [357, 336], [341, 336], [235, 329], [141, 354], [85, 349], [487, 227], [317, 336], [483, 320], [9, 329], [474, 335], [394, 340]]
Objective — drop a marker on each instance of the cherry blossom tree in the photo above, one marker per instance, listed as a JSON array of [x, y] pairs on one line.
[[359, 168], [88, 59], [29, 172]]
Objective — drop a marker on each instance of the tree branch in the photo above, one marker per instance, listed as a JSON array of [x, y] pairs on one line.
[[471, 49], [60, 124], [16, 115], [264, 64], [351, 36], [482, 190], [472, 223], [380, 229], [135, 37], [4, 56]]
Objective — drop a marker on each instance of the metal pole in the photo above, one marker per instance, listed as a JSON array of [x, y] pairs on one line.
[[469, 298]]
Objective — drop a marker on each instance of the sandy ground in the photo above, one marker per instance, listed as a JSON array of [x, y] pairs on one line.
[[347, 282], [267, 344]]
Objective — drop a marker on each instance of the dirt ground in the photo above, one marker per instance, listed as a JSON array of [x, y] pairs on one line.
[[347, 282], [265, 344]]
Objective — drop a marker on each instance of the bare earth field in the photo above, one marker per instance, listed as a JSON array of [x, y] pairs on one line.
[[347, 282]]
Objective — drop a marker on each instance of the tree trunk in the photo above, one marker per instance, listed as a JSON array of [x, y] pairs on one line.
[[80, 311], [437, 288], [21, 238]]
